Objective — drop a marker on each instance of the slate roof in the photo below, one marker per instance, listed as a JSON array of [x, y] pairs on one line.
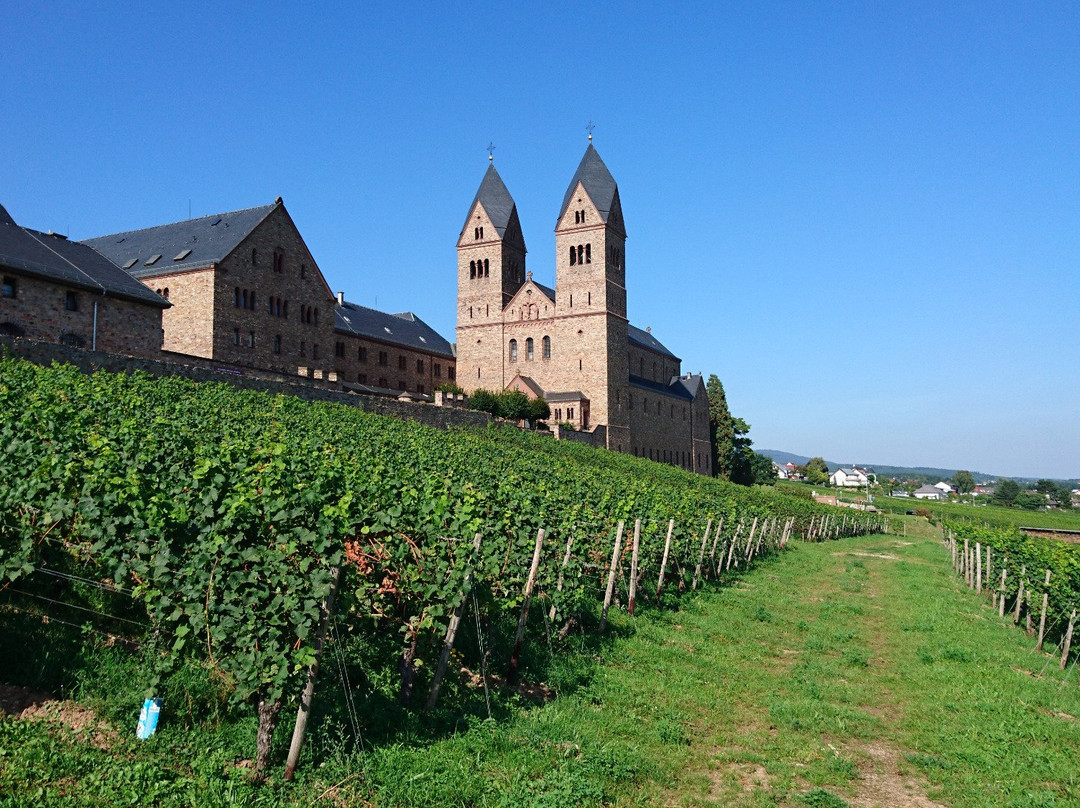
[[691, 384], [599, 184], [647, 340], [547, 290], [495, 198], [675, 390], [569, 395], [54, 258], [181, 245], [404, 329]]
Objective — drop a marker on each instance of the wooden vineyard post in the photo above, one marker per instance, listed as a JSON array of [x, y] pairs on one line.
[[611, 577], [1042, 617], [967, 577], [515, 658], [1001, 594], [663, 562], [955, 560], [451, 635], [633, 567], [1068, 640], [734, 541], [987, 574], [715, 541], [978, 568], [750, 538], [309, 687], [562, 574], [701, 555], [1020, 595]]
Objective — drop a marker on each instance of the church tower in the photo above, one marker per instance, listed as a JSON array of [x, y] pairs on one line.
[[590, 288], [491, 268]]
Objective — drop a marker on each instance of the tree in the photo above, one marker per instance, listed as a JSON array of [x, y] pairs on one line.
[[817, 470], [740, 458], [1047, 488], [1063, 496], [538, 411], [963, 482], [721, 430], [513, 405], [762, 468], [1030, 500], [484, 401], [1006, 492], [450, 387]]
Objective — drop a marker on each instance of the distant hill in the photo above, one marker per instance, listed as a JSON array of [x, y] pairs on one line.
[[906, 472]]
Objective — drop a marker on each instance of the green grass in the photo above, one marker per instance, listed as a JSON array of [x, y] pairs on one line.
[[850, 672], [988, 514]]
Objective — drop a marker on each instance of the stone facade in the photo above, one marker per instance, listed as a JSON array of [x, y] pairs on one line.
[[573, 344], [53, 312]]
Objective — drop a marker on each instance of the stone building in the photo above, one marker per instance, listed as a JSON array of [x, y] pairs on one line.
[[245, 290], [61, 291], [573, 345]]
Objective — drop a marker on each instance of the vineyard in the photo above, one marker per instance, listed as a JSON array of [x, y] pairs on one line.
[[1031, 578], [229, 529]]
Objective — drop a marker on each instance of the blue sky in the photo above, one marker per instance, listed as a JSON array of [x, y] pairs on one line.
[[861, 216]]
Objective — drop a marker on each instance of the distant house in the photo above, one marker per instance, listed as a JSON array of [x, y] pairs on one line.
[[781, 471], [929, 492], [849, 478], [944, 488]]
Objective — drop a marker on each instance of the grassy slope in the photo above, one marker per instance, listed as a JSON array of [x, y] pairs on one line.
[[855, 672]]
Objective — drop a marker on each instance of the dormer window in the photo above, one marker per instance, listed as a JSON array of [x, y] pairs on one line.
[[478, 233]]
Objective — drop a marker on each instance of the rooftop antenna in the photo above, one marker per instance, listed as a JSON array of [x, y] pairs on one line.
[[589, 128], [491, 152]]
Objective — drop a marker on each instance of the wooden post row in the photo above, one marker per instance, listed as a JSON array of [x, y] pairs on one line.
[[451, 635], [611, 576], [530, 582], [634, 567], [663, 563]]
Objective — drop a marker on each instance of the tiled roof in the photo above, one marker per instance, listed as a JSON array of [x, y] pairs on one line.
[[54, 258], [181, 245], [404, 329], [495, 198], [569, 395], [599, 184], [647, 340]]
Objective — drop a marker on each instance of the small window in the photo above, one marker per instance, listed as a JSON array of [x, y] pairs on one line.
[[303, 271], [236, 336], [472, 269], [279, 261], [254, 257], [180, 256], [165, 294], [588, 253], [9, 287], [153, 259], [130, 263], [339, 349], [251, 339], [546, 348], [450, 373], [71, 301], [277, 343], [384, 358], [529, 349], [402, 363], [438, 371], [419, 365], [485, 265], [573, 256], [361, 354], [513, 350]]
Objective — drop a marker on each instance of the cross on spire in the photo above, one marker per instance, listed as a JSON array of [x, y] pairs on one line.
[[589, 128], [491, 152]]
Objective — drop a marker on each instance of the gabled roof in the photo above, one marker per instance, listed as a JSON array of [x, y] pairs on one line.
[[404, 329], [181, 245], [547, 290], [646, 340], [496, 199], [692, 384], [54, 258], [599, 184], [529, 382]]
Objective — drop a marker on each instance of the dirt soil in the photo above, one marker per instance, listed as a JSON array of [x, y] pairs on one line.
[[26, 704]]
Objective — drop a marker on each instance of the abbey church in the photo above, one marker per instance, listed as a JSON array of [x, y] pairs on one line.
[[573, 345]]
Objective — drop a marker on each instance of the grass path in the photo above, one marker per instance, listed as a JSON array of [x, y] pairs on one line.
[[860, 673]]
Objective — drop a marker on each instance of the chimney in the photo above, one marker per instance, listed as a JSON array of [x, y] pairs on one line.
[[341, 298]]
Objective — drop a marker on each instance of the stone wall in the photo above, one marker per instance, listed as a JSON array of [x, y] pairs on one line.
[[205, 370]]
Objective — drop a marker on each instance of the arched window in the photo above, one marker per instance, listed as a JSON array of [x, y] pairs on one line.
[[573, 255], [547, 348], [236, 297], [285, 309], [513, 350], [588, 253], [486, 267], [580, 254], [529, 349], [472, 269], [254, 257], [251, 300], [244, 298]]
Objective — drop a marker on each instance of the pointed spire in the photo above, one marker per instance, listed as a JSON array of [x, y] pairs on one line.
[[496, 200], [599, 184]]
